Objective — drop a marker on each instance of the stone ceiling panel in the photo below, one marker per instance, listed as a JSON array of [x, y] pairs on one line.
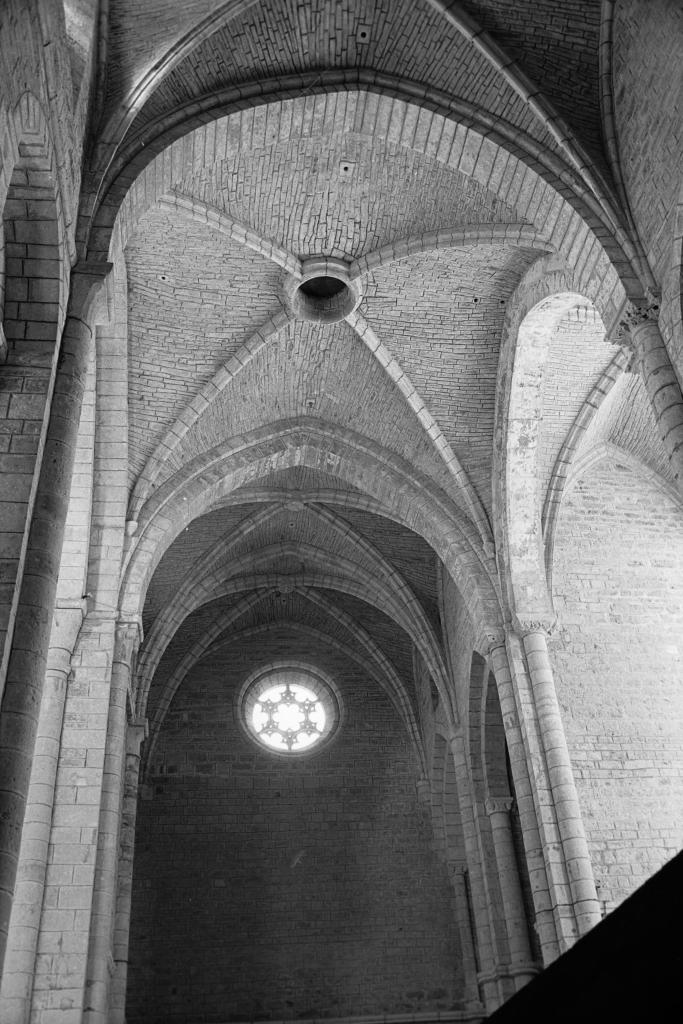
[[281, 37], [394, 641], [577, 355], [285, 610], [179, 561], [293, 608], [286, 527], [648, 87], [140, 33], [287, 615], [324, 372], [411, 555], [299, 479], [193, 297], [561, 60], [626, 420], [634, 427], [441, 315], [342, 194]]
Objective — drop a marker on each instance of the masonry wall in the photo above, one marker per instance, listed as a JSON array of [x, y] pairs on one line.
[[618, 593], [38, 195], [35, 61], [268, 888]]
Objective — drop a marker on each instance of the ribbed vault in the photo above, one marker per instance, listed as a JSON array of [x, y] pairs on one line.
[[339, 337]]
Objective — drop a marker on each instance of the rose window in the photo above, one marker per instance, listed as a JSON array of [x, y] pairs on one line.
[[289, 710]]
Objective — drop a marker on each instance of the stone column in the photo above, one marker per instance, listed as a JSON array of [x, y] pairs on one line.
[[480, 903], [560, 779], [27, 663], [466, 927], [100, 951], [640, 326], [526, 804], [61, 956], [27, 906], [137, 732], [521, 967]]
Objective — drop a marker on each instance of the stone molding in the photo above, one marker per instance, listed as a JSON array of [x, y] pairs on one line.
[[498, 805]]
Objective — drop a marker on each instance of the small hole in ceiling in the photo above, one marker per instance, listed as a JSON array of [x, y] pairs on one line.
[[322, 287], [326, 294], [163, 277], [363, 34]]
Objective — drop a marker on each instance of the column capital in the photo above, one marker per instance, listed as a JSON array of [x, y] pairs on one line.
[[67, 618], [633, 317], [639, 314], [456, 870], [494, 638], [498, 805], [424, 791], [129, 627], [455, 734], [524, 623], [85, 284], [136, 732], [128, 639]]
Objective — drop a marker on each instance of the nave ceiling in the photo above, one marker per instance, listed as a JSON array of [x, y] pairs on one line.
[[216, 356], [345, 338]]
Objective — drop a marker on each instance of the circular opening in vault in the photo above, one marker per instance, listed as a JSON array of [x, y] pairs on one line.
[[324, 299], [325, 292], [323, 287]]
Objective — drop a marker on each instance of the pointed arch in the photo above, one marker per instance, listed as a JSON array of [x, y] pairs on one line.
[[543, 297], [403, 495], [446, 130]]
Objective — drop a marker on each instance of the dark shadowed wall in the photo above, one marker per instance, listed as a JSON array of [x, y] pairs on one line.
[[274, 888]]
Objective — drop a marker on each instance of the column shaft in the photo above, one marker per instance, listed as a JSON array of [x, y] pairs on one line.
[[521, 966], [533, 845], [117, 1001], [565, 800], [467, 939], [28, 658], [100, 953], [17, 980], [488, 976]]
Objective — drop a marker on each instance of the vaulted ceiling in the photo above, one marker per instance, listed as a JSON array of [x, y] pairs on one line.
[[289, 152]]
